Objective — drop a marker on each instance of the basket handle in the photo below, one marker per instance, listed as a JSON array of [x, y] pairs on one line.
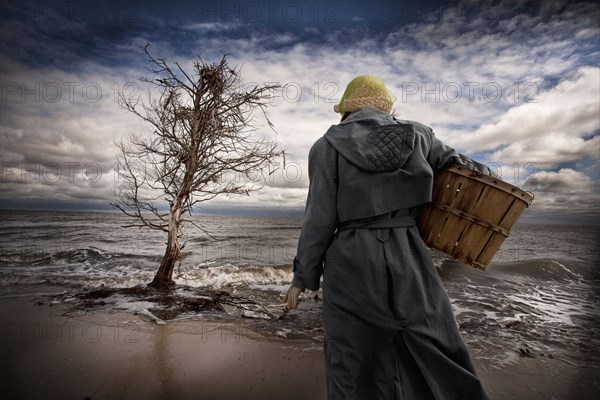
[[532, 197]]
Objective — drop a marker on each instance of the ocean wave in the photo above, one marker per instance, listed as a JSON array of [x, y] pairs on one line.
[[62, 255], [92, 267], [87, 254], [229, 275], [19, 258], [548, 270], [535, 270], [39, 256]]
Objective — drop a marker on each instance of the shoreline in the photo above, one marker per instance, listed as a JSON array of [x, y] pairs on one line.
[[108, 354]]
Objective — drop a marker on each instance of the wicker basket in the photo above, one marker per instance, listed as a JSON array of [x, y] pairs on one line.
[[470, 214]]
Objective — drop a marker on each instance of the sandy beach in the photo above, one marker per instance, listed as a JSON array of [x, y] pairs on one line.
[[108, 354]]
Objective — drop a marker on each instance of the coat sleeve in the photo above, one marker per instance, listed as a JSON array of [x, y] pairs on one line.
[[320, 216], [441, 155]]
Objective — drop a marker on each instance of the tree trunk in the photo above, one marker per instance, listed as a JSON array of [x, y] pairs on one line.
[[164, 276]]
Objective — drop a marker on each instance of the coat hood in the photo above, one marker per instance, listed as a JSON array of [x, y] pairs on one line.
[[372, 140]]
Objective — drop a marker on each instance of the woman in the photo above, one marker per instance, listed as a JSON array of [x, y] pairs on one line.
[[390, 331]]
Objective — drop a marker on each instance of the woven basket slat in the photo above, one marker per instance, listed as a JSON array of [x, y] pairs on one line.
[[470, 214]]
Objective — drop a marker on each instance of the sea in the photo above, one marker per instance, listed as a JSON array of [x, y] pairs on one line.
[[540, 295]]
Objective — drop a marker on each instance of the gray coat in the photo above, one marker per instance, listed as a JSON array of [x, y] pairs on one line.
[[390, 331]]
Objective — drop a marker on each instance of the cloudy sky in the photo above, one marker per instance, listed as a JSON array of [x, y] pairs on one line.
[[513, 84]]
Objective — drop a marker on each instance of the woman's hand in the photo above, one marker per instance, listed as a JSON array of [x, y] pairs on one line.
[[291, 297]]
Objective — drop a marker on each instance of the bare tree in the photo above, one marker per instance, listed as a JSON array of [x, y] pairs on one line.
[[202, 146]]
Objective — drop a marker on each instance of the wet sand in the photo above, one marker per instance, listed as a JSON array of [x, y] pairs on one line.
[[102, 354], [107, 355]]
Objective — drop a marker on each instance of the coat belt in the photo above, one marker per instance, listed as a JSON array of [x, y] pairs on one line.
[[395, 222]]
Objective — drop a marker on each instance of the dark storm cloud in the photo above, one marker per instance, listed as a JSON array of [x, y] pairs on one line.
[[62, 64]]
